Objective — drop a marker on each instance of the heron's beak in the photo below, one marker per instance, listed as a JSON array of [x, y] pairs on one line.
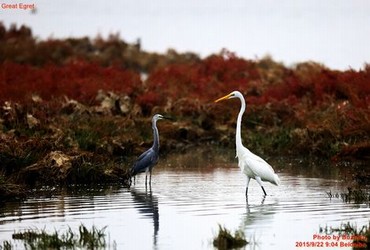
[[168, 118], [223, 98]]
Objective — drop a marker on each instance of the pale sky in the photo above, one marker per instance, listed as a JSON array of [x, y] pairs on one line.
[[333, 32]]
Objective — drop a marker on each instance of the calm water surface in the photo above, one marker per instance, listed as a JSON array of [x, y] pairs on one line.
[[191, 194]]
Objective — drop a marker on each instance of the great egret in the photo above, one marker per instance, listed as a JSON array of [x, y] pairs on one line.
[[251, 165], [149, 158]]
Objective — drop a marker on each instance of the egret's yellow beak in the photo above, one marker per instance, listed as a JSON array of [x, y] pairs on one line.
[[223, 98]]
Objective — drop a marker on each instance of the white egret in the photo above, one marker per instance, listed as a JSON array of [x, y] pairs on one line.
[[250, 164]]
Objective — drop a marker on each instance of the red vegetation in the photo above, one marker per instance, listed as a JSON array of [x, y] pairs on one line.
[[320, 84], [79, 80], [204, 79]]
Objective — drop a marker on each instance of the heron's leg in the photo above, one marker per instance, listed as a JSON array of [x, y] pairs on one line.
[[150, 177], [146, 177], [246, 189], [258, 179]]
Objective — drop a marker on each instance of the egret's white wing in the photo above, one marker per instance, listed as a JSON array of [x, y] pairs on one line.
[[253, 165]]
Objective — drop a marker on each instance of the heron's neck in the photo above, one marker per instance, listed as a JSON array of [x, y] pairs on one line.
[[155, 136], [238, 135]]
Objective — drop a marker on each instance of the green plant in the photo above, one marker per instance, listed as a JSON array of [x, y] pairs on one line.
[[6, 246], [355, 195], [360, 237], [93, 238], [226, 240]]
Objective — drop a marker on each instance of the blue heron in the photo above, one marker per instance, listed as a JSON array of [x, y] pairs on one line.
[[251, 165], [149, 158]]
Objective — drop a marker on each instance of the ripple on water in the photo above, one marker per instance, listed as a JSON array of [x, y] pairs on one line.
[[183, 209]]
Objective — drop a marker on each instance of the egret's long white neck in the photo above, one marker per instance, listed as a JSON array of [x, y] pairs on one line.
[[238, 135]]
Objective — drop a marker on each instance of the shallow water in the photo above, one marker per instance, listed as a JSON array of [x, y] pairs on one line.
[[190, 195]]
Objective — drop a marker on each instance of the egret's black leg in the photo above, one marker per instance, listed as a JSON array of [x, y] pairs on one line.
[[246, 189], [258, 179], [263, 190]]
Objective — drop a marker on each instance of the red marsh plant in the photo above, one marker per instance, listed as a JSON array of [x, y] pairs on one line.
[[80, 81], [202, 80]]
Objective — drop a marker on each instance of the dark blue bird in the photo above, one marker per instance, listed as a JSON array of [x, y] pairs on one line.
[[149, 158]]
